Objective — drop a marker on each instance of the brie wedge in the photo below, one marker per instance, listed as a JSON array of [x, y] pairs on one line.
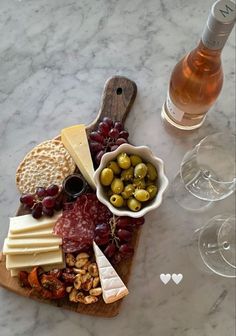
[[113, 287]]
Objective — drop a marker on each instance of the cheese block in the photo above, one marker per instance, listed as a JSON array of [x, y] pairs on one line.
[[27, 223], [113, 287], [33, 242], [30, 260], [75, 140], [44, 233], [27, 250], [46, 268]]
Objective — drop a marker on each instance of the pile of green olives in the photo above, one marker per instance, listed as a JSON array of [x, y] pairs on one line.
[[129, 181]]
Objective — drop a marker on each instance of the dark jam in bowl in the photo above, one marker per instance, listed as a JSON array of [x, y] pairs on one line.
[[74, 185]]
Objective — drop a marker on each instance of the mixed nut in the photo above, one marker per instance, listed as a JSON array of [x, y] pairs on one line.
[[85, 288], [79, 280]]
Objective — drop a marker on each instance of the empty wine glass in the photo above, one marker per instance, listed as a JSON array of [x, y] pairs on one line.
[[217, 245], [207, 172]]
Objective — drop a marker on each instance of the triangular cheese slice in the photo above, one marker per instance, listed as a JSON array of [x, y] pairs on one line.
[[113, 287], [75, 140]]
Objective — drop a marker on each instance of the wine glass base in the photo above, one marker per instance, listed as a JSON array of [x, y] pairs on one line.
[[210, 248], [185, 199]]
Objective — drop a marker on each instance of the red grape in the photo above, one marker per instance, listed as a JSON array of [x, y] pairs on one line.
[[108, 121], [101, 240], [102, 229], [37, 210], [95, 136], [48, 211], [124, 134], [96, 147], [41, 192], [120, 141], [124, 235], [99, 156], [124, 223], [119, 126], [110, 250], [114, 133], [52, 190], [114, 147], [28, 200], [126, 249], [138, 221], [117, 258], [104, 128], [49, 202]]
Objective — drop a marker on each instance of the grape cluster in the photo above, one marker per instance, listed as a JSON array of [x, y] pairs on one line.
[[45, 201], [107, 138], [115, 237]]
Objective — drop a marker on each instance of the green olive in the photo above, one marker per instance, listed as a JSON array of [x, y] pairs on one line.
[[140, 170], [141, 195], [151, 172], [123, 161], [117, 186], [133, 204], [152, 190], [106, 176], [149, 182], [128, 191], [114, 167], [127, 174], [117, 200], [139, 183], [135, 159]]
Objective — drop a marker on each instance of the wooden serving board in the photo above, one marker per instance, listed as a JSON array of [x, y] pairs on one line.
[[118, 96]]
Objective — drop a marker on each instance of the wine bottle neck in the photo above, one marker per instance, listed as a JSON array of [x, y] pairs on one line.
[[219, 25]]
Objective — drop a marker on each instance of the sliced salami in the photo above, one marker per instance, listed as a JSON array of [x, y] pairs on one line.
[[77, 224], [70, 246]]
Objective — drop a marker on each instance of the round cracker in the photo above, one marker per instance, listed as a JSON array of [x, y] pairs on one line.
[[47, 163]]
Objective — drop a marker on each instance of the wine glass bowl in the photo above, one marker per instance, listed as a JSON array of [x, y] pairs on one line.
[[207, 172]]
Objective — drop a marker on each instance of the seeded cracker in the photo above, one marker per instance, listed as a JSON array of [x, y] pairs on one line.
[[48, 163]]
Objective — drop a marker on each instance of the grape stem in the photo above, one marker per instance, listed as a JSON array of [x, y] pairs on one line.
[[112, 223]]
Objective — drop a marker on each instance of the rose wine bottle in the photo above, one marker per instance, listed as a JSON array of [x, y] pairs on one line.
[[197, 79]]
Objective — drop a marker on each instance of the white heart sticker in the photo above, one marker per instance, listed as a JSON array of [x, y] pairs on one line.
[[165, 278], [177, 278]]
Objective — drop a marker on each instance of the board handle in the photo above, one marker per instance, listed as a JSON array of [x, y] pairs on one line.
[[118, 96]]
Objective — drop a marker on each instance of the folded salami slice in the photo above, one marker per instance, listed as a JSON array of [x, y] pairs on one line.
[[77, 224]]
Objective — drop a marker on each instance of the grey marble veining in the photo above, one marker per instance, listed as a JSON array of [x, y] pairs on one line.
[[55, 57]]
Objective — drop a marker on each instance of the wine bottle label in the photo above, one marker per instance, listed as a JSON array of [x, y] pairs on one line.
[[174, 111]]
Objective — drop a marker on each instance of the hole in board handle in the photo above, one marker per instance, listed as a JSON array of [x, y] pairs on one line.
[[119, 91]]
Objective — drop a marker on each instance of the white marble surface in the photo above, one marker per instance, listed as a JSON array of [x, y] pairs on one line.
[[55, 56]]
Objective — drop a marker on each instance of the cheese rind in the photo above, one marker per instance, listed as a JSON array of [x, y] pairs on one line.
[[113, 287], [75, 141], [33, 242], [27, 250], [44, 233], [30, 260], [27, 223]]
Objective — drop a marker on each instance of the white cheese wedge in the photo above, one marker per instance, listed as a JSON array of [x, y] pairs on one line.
[[33, 242], [27, 250], [113, 287], [27, 223], [30, 260], [44, 233], [75, 140]]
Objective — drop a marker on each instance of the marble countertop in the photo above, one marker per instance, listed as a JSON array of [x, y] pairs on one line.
[[55, 57]]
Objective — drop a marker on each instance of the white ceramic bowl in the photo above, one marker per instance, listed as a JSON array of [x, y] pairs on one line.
[[146, 154]]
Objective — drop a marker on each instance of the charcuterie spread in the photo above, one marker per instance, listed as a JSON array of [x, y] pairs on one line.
[[68, 245]]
